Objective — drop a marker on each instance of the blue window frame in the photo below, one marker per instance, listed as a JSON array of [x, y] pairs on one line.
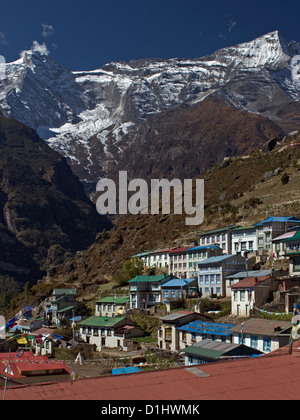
[[267, 344]]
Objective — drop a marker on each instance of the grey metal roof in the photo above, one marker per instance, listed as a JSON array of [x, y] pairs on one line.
[[254, 273]]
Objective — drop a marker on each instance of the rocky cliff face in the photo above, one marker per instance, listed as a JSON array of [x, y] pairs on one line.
[[85, 115], [44, 211]]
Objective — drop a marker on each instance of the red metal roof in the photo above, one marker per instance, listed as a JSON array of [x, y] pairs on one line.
[[272, 377], [250, 282], [28, 362], [179, 250]]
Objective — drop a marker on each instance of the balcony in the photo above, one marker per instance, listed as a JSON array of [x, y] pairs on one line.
[[291, 251]]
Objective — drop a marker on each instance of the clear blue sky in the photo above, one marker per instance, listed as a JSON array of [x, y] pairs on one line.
[[85, 34]]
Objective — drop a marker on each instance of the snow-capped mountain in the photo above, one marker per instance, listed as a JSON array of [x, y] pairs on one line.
[[85, 114]]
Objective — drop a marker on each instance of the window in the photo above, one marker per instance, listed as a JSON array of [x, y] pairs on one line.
[[254, 342], [243, 296], [236, 296], [244, 246], [296, 265], [267, 344], [212, 279], [218, 279], [201, 279]]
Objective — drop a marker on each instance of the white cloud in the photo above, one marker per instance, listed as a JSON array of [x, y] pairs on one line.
[[41, 48], [47, 30]]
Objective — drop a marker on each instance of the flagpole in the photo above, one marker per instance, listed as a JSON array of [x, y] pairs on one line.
[[6, 378]]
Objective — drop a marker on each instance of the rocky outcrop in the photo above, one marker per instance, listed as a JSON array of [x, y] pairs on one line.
[[44, 211]]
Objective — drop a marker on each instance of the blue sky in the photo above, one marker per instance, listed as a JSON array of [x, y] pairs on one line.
[[85, 34]]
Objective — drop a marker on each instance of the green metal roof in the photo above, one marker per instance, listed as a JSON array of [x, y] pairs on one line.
[[101, 321], [119, 300], [69, 308], [64, 292], [147, 279], [244, 228], [198, 351], [293, 238], [210, 232]]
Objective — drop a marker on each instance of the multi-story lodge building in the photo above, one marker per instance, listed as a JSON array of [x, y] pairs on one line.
[[220, 237], [212, 274], [271, 228]]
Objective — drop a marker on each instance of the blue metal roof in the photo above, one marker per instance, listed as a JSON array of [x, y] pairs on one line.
[[208, 328], [279, 219], [216, 259], [178, 283], [126, 371], [199, 248]]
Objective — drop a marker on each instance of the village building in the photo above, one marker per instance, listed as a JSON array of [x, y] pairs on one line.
[[160, 259], [252, 292], [207, 351], [112, 306], [213, 272], [244, 240], [198, 254], [109, 332], [169, 335], [179, 262], [29, 326], [26, 368], [237, 277], [145, 291], [292, 251], [63, 304], [196, 331], [179, 289], [272, 228], [220, 237], [143, 257], [279, 244], [263, 334]]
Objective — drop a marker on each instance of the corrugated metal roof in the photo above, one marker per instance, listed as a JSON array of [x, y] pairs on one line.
[[178, 283], [217, 259], [100, 321], [275, 377], [279, 219], [199, 248], [250, 282], [254, 273], [112, 299], [147, 279], [285, 236], [208, 328], [176, 315], [259, 326]]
